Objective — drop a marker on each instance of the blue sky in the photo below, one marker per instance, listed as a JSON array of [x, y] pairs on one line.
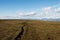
[[29, 9]]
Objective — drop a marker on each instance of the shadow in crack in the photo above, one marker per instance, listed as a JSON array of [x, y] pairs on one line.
[[20, 34]]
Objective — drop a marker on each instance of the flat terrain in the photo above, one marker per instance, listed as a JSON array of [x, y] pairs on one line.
[[32, 30]]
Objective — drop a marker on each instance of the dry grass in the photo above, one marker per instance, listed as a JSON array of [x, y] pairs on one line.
[[33, 30]]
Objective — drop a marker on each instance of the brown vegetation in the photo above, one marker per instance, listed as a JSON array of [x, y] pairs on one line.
[[33, 30]]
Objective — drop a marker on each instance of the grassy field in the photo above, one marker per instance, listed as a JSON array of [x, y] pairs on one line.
[[33, 30]]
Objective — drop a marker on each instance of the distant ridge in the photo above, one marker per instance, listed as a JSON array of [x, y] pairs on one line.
[[44, 19]]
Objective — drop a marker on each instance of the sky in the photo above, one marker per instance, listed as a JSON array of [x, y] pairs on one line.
[[29, 9]]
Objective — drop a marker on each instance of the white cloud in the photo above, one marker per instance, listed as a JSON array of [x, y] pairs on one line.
[[51, 12], [27, 14], [46, 12], [8, 17], [58, 10]]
